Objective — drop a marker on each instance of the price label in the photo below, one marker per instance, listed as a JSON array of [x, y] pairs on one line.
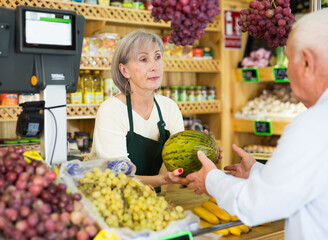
[[279, 74], [263, 128], [250, 74], [178, 236]]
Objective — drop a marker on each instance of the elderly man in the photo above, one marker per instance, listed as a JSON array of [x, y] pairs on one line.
[[293, 185]]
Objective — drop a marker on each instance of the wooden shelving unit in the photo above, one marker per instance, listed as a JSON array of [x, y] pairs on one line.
[[216, 72], [243, 129]]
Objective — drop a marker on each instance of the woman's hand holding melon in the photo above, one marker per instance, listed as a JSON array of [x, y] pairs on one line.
[[174, 177]]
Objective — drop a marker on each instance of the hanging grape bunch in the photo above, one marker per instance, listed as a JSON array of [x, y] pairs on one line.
[[269, 19], [188, 18]]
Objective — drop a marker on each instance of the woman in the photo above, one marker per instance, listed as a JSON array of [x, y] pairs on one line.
[[137, 122]]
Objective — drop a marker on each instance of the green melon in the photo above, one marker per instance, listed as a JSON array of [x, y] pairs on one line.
[[180, 151]]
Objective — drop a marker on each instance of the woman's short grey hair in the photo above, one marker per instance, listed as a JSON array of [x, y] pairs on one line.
[[126, 49], [311, 31]]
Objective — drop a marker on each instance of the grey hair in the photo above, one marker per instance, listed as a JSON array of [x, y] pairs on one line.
[[126, 49], [311, 31]]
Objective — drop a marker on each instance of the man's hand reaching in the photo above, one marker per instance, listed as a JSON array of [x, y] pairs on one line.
[[243, 168]]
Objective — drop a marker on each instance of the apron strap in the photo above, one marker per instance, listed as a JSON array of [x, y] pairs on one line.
[[128, 103], [159, 112], [161, 125]]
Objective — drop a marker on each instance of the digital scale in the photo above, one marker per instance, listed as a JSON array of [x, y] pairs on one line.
[[40, 52]]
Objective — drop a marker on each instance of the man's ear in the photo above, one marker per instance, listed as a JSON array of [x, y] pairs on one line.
[[124, 71], [308, 62]]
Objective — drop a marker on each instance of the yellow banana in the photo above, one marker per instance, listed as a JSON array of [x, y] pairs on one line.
[[224, 232], [222, 221], [205, 224], [206, 215], [235, 230], [219, 212], [244, 228], [234, 218], [212, 199]]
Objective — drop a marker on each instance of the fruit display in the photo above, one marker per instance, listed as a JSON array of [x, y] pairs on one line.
[[257, 58], [180, 151], [269, 19], [188, 18], [274, 103], [122, 201], [34, 206], [211, 214]]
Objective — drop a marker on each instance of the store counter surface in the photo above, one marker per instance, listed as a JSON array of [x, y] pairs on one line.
[[188, 199]]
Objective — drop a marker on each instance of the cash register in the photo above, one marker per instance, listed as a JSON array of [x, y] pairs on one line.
[[40, 52]]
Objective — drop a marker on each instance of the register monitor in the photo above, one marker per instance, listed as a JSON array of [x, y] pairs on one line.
[[40, 42]]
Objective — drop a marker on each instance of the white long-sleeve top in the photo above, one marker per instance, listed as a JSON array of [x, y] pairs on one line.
[[112, 125], [293, 184]]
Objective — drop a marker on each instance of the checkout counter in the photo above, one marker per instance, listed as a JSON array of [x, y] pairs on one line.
[[188, 199]]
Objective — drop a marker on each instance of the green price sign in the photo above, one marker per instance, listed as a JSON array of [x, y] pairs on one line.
[[263, 128], [250, 74], [178, 236], [279, 74]]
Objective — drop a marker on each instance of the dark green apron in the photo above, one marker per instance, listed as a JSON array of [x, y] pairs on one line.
[[144, 152]]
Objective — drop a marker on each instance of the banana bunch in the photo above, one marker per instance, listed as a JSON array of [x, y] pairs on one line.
[[211, 214]]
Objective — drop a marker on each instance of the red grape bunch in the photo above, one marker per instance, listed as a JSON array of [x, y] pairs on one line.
[[188, 18], [33, 206], [269, 19]]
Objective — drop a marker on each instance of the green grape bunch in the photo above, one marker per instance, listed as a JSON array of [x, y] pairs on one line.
[[123, 201]]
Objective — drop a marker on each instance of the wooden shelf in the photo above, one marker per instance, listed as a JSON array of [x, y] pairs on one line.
[[265, 74], [203, 107], [9, 113], [89, 111], [171, 65], [247, 126], [95, 62], [82, 111], [103, 13], [191, 65]]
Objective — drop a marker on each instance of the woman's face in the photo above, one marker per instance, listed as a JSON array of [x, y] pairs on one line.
[[145, 71]]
